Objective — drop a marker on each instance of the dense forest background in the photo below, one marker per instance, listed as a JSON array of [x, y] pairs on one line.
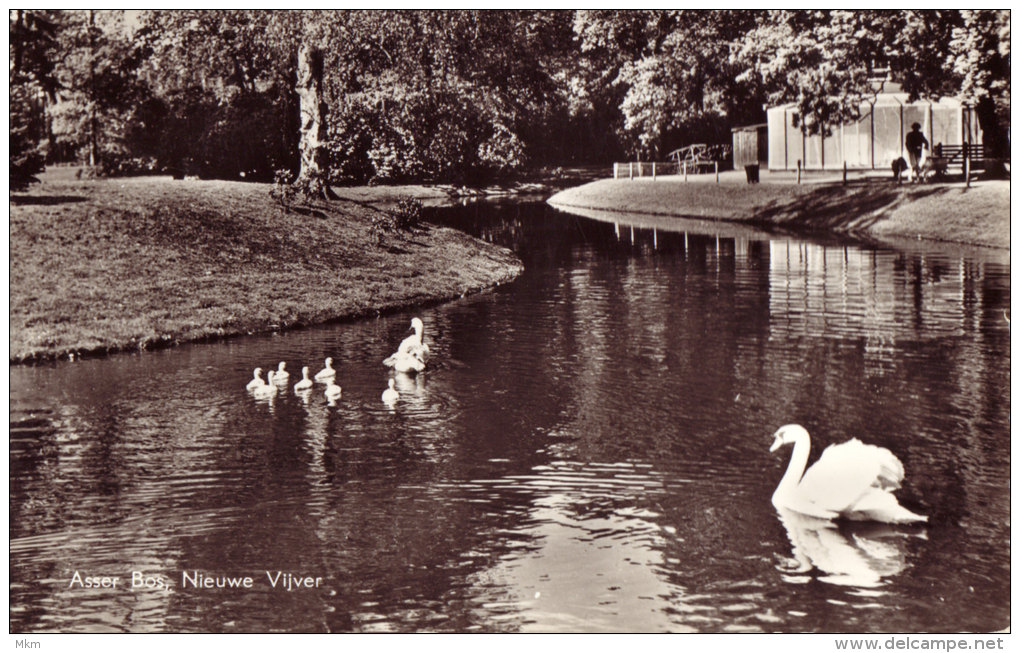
[[465, 96]]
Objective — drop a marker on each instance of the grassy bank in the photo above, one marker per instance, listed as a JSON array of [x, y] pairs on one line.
[[978, 215], [110, 265]]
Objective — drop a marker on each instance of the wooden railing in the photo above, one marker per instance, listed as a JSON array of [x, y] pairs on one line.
[[653, 169]]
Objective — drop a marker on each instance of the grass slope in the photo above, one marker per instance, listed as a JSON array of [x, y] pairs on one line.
[[120, 264], [978, 215]]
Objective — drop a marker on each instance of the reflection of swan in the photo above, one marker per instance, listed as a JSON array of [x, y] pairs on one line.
[[305, 382], [326, 373], [412, 352], [256, 380], [267, 389], [409, 384], [859, 558], [282, 375], [390, 394], [852, 480], [332, 389]]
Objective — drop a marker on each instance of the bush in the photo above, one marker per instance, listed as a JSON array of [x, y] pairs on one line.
[[407, 215], [283, 190]]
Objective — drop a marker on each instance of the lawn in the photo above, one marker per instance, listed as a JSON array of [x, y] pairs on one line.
[[108, 265], [947, 212]]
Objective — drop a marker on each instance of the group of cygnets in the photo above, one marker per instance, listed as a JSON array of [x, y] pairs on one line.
[[409, 358]]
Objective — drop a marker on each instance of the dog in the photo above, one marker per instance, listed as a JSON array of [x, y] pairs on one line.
[[932, 166], [899, 166]]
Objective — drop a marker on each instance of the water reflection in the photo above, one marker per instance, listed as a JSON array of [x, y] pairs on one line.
[[861, 558], [588, 452]]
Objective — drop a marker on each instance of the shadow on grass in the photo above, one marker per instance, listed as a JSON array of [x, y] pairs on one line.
[[308, 211], [46, 200], [842, 208]]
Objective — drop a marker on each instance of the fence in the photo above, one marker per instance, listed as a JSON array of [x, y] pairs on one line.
[[653, 169]]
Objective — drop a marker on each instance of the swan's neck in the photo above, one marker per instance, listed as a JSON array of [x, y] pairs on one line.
[[798, 461]]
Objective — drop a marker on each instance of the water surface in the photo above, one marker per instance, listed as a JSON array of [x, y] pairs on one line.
[[588, 451]]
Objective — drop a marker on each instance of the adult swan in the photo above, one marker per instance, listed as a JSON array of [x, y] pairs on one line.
[[412, 352], [852, 480]]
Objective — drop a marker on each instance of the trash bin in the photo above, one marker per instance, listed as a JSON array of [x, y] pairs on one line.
[[752, 173]]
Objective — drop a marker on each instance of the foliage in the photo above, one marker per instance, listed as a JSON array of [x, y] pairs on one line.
[[674, 73], [31, 81], [467, 96], [829, 62], [26, 156], [283, 190], [406, 216]]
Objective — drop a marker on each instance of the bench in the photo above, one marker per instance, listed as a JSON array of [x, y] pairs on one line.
[[953, 154]]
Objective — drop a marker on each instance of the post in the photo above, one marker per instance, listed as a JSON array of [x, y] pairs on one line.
[[716, 172], [653, 170], [966, 163], [630, 167], [616, 170], [685, 171], [844, 173], [798, 171]]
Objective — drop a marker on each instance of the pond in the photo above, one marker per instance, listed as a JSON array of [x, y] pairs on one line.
[[587, 451]]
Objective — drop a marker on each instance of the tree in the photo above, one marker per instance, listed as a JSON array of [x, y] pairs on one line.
[[313, 177], [980, 49], [674, 71], [100, 87], [825, 62], [225, 83], [829, 62], [31, 81]]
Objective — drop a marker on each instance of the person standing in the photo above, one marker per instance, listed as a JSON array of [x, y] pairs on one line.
[[916, 142]]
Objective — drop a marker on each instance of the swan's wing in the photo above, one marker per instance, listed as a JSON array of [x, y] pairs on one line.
[[879, 505], [845, 472], [408, 344]]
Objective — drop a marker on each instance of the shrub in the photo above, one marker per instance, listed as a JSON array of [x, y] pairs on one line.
[[283, 189], [407, 215]]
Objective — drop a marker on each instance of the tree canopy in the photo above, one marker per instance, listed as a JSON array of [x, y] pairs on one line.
[[465, 95]]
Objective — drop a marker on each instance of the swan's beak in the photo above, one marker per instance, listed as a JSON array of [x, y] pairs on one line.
[[778, 442]]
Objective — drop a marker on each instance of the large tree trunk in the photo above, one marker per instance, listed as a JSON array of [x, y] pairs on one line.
[[314, 157]]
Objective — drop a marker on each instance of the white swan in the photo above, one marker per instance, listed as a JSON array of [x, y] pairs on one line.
[[267, 389], [326, 373], [332, 390], [256, 380], [412, 352], [852, 480], [305, 382], [390, 394], [282, 375], [406, 362]]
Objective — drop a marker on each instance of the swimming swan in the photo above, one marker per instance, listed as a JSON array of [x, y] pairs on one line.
[[326, 373], [282, 375], [390, 394], [852, 480], [305, 382], [412, 352], [256, 380], [267, 389], [332, 390]]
